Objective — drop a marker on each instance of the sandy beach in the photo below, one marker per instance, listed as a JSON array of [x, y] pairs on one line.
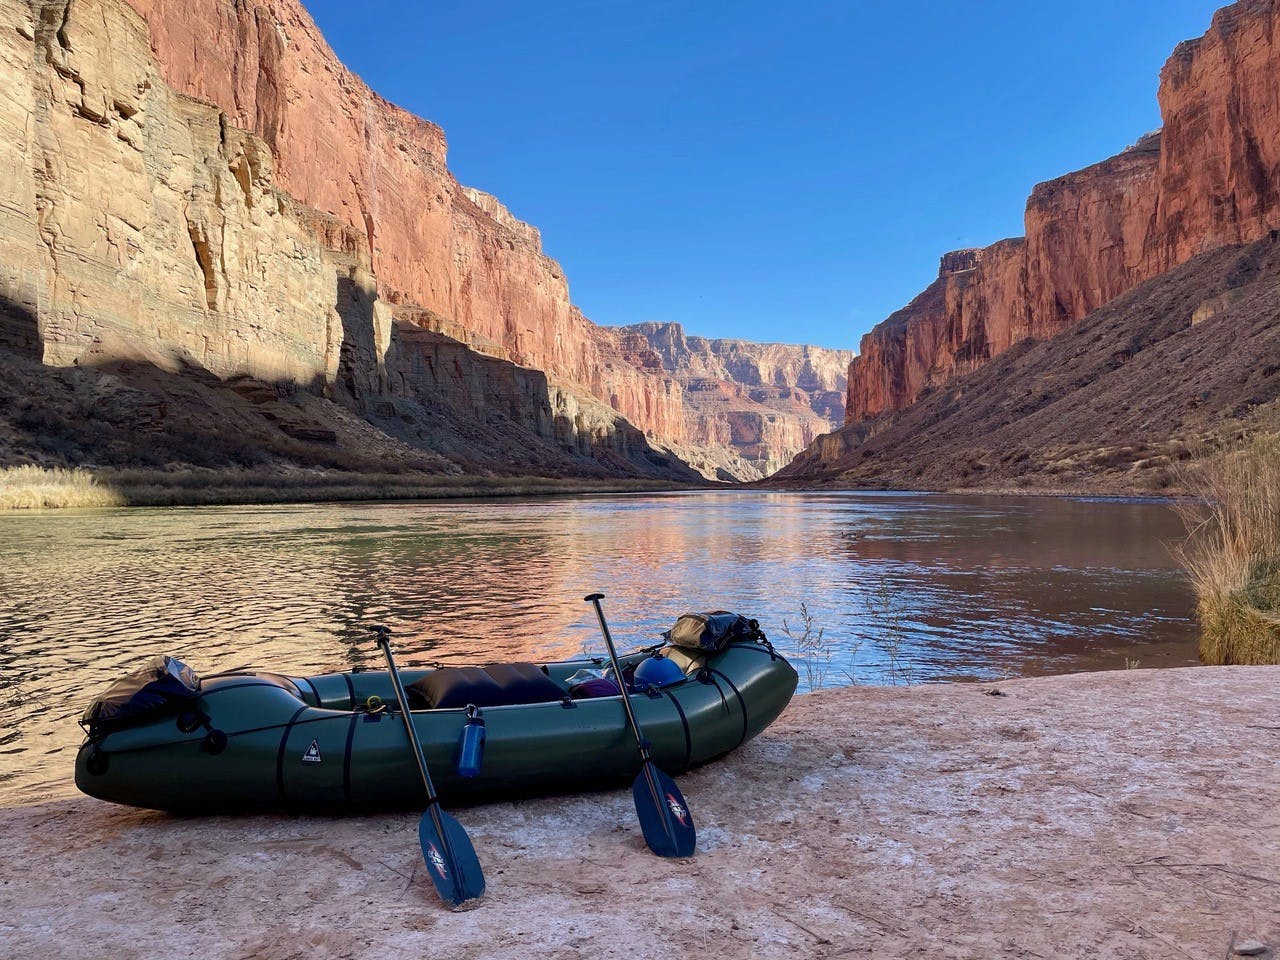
[[1126, 814]]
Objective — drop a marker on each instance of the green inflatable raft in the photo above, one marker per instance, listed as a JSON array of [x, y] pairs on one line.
[[254, 740]]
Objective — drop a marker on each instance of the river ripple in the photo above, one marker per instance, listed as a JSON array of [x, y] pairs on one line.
[[906, 587]]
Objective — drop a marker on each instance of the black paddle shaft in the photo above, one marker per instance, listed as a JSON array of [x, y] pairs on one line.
[[641, 742], [384, 641], [664, 815], [453, 889]]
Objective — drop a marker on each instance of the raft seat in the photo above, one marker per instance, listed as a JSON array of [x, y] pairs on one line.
[[494, 685]]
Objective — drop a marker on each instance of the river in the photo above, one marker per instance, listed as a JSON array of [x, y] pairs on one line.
[[906, 588]]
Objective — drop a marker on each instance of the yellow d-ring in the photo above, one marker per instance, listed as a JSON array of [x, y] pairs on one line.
[[374, 704]]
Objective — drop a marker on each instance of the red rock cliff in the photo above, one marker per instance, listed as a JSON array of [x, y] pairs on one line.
[[344, 150], [749, 407], [1209, 179]]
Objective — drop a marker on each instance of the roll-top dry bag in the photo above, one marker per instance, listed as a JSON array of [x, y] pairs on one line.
[[709, 632]]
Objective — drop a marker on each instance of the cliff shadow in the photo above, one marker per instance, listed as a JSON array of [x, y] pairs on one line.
[[19, 328], [358, 368], [431, 405], [503, 416], [136, 413]]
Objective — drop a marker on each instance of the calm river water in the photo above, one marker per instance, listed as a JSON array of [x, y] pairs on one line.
[[906, 588]]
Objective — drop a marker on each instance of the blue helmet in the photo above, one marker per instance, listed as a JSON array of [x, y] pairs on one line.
[[657, 672]]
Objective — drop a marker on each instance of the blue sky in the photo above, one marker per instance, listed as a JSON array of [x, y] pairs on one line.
[[759, 170]]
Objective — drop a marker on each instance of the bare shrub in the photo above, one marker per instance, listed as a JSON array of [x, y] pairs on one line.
[[811, 647], [891, 631]]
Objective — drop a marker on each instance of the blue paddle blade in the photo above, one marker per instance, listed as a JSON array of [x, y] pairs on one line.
[[664, 816], [450, 857]]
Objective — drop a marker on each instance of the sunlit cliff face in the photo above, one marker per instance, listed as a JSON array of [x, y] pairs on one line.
[[1203, 181]]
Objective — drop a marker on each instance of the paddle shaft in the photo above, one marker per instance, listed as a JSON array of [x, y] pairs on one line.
[[622, 684], [664, 815], [403, 701], [433, 802]]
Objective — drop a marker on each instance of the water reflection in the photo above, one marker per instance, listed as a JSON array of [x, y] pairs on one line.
[[936, 587]]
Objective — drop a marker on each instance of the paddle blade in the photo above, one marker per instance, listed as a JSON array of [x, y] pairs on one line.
[[664, 816], [451, 859]]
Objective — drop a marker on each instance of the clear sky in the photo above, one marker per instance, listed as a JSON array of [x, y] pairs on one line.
[[765, 170]]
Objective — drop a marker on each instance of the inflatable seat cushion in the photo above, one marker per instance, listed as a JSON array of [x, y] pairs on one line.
[[495, 685]]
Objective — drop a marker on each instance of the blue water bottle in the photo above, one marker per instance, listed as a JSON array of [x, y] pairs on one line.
[[471, 743]]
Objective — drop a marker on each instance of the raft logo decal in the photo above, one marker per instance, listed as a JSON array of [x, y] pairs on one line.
[[677, 810], [313, 753], [437, 861]]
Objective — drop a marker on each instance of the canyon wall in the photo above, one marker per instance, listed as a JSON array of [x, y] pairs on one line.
[[140, 224], [205, 183], [1209, 178], [136, 222], [749, 407], [380, 170], [1183, 364]]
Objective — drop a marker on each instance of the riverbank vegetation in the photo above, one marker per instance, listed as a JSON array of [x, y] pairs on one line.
[[31, 487], [1232, 553], [37, 488]]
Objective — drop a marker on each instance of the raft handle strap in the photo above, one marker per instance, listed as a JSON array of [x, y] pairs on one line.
[[684, 722], [746, 727]]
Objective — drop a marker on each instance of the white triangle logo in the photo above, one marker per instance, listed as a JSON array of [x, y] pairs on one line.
[[313, 753]]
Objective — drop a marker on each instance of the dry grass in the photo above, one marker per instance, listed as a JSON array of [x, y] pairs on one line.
[[1232, 553], [36, 488]]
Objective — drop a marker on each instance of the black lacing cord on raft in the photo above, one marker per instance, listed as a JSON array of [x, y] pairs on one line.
[[684, 722], [234, 733], [314, 692], [761, 644], [346, 758], [351, 690], [741, 702], [707, 675], [284, 742]]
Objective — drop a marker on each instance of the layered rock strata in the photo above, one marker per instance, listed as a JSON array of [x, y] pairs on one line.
[[136, 221], [750, 407], [1085, 245], [1208, 179], [1186, 362], [204, 183], [381, 171], [140, 224]]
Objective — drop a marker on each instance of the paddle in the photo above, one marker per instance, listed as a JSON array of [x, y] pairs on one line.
[[451, 859], [664, 816]]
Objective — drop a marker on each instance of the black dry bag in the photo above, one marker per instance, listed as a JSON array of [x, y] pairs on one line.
[[164, 686]]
